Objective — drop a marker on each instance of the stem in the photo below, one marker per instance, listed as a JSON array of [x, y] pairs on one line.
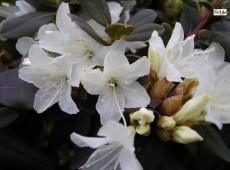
[[201, 24]]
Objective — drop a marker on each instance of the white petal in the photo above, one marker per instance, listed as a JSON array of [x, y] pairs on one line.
[[118, 132], [177, 35], [137, 69], [66, 102], [115, 59], [99, 29], [135, 95], [213, 116], [93, 81], [104, 158], [54, 42], [216, 56], [92, 142], [45, 30], [63, 64], [46, 97], [119, 45], [115, 11], [206, 78], [128, 161], [23, 45], [108, 105], [157, 44], [63, 21], [172, 73], [24, 7], [135, 45], [37, 56]]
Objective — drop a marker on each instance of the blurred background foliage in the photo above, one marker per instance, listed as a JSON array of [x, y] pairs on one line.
[[41, 141]]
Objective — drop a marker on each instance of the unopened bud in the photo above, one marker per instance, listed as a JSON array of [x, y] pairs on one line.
[[164, 135], [141, 120], [166, 123], [161, 89], [143, 129], [185, 135], [171, 105], [192, 109]]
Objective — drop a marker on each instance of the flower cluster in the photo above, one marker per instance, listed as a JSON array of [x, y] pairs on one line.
[[185, 86]]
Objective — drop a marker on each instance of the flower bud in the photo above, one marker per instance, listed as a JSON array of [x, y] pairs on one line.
[[192, 109], [171, 105], [141, 120], [166, 123], [161, 89], [142, 116], [164, 135], [143, 129], [185, 135]]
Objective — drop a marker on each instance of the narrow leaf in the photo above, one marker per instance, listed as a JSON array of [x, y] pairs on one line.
[[87, 28], [24, 25], [213, 142], [143, 17], [7, 116], [15, 92], [98, 10], [167, 33], [144, 32]]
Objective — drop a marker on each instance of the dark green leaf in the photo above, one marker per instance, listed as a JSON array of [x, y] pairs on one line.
[[17, 154], [218, 36], [207, 5], [213, 142], [144, 32], [7, 116], [98, 10], [24, 25], [42, 5], [167, 33], [143, 17], [190, 3], [189, 18], [87, 28], [119, 31], [15, 92]]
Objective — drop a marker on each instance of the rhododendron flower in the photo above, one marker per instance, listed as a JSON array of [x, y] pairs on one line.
[[116, 85], [115, 148], [173, 61], [53, 78]]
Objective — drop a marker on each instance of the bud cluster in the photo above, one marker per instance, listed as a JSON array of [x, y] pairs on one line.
[[178, 110]]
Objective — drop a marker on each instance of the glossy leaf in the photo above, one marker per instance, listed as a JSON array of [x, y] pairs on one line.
[[144, 32], [213, 142], [42, 5], [119, 31], [167, 33], [98, 10], [15, 92], [7, 116], [143, 17], [87, 28], [24, 25]]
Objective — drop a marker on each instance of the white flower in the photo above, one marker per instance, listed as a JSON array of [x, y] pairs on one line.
[[115, 149], [116, 85], [52, 77], [173, 61], [213, 77], [71, 41], [23, 44], [21, 8]]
